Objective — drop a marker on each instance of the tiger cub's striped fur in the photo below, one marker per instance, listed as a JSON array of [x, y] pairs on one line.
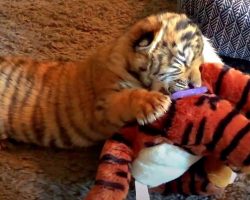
[[68, 104]]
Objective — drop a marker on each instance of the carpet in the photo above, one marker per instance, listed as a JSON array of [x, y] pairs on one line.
[[66, 30]]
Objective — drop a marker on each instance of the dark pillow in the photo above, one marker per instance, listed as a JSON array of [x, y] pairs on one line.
[[225, 22]]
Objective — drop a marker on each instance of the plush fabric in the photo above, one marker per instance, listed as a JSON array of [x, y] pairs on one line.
[[213, 125]]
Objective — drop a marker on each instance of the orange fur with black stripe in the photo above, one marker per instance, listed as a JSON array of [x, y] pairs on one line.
[[214, 125], [70, 104]]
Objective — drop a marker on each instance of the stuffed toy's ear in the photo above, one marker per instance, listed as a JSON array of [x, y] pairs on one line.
[[229, 84]]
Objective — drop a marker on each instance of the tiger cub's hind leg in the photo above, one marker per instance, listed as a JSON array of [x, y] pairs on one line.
[[4, 141], [4, 144]]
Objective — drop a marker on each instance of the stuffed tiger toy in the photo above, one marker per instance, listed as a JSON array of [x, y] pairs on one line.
[[77, 104], [213, 125]]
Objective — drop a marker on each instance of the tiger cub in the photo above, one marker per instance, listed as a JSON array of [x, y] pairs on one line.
[[76, 104]]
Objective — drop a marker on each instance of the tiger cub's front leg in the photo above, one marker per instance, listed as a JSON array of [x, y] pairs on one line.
[[114, 110]]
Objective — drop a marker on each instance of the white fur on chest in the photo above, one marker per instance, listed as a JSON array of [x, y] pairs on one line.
[[209, 53]]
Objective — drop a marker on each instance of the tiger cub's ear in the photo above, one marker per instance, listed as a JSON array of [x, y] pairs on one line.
[[135, 42], [142, 33]]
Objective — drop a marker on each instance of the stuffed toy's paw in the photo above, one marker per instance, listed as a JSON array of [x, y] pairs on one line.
[[218, 173]]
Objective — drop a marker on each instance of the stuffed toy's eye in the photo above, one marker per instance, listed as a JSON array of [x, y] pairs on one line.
[[145, 40]]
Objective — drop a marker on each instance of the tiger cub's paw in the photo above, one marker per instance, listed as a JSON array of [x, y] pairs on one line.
[[4, 144], [150, 106]]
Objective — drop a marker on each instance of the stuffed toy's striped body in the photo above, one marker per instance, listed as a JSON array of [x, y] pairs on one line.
[[213, 125]]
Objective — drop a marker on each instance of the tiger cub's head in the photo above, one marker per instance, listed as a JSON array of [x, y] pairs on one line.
[[165, 51]]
